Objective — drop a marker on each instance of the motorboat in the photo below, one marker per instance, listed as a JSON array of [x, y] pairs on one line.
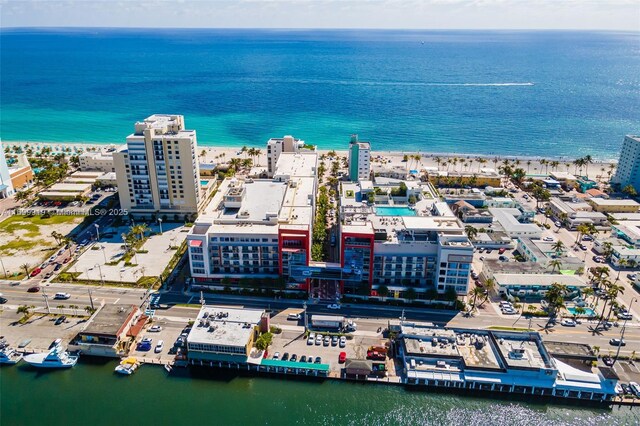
[[127, 366], [8, 355], [54, 358]]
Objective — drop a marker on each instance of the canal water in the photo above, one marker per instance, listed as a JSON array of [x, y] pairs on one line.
[[91, 394]]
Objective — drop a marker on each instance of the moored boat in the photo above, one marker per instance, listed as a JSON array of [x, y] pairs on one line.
[[127, 366], [8, 355], [55, 358]]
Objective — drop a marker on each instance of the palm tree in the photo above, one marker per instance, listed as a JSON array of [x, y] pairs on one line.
[[622, 263], [555, 299], [75, 309], [470, 231], [475, 293], [558, 247], [555, 263], [26, 267], [89, 310], [60, 308], [244, 150]]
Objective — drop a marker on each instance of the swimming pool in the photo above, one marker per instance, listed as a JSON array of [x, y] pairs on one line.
[[395, 211], [588, 312], [204, 182]]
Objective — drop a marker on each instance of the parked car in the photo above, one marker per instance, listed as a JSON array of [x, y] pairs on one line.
[[625, 316], [333, 306], [58, 266], [319, 339], [617, 342], [35, 272], [60, 320], [587, 238], [293, 317], [155, 328], [311, 338], [502, 250], [334, 341], [293, 358], [503, 258], [326, 341], [343, 341], [583, 247], [318, 360], [303, 358], [558, 224], [547, 239], [276, 355], [635, 388], [62, 296], [285, 357], [342, 357]]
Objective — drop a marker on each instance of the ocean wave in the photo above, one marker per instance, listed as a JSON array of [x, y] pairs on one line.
[[384, 83]]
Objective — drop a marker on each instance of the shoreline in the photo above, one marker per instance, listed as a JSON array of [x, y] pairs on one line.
[[214, 154], [467, 155]]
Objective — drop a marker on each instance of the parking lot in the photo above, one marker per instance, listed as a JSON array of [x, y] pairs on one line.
[[169, 333], [292, 341], [39, 331]]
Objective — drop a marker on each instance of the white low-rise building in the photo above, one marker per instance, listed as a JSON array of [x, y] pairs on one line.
[[508, 219], [224, 335]]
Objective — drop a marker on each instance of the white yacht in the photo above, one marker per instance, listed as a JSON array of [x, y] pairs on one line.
[[55, 358], [9, 356]]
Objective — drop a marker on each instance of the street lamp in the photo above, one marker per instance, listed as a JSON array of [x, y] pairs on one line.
[[46, 300], [100, 271], [160, 222], [97, 231], [104, 255], [624, 325], [3, 269], [91, 299]]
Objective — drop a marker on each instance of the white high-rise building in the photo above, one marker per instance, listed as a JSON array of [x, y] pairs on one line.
[[359, 160], [157, 170], [6, 187], [628, 172], [276, 146]]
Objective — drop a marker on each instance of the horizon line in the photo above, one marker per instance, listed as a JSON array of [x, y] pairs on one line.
[[46, 27]]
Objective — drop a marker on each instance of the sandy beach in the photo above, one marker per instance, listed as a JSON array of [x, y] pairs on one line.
[[463, 162]]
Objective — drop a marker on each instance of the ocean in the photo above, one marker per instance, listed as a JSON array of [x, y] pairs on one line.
[[92, 394], [546, 93]]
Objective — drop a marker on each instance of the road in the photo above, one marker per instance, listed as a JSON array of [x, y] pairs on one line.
[[376, 316]]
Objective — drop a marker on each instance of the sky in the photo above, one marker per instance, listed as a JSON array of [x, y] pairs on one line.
[[383, 14]]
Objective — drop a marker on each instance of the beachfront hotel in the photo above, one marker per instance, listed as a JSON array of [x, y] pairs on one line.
[[257, 228], [157, 169], [359, 159], [276, 146], [405, 238], [628, 171]]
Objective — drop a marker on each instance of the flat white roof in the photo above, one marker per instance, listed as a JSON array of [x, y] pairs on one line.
[[70, 187], [610, 202], [538, 279], [224, 326]]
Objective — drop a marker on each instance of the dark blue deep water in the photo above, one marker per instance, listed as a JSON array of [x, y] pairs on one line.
[[526, 93]]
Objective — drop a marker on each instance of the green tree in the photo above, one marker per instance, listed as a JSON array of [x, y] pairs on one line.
[[555, 299], [26, 267], [471, 232], [383, 291], [410, 294]]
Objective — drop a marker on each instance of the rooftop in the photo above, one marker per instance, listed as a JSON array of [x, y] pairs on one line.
[[610, 202], [538, 279], [224, 326], [109, 320]]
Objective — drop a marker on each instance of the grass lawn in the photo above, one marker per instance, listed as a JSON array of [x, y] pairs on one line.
[[24, 232]]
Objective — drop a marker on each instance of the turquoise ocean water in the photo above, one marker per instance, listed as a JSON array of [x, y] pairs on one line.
[[518, 93]]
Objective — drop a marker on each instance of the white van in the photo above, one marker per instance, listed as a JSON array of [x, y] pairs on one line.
[[63, 296]]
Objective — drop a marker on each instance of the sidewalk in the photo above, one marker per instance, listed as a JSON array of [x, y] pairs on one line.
[[300, 302]]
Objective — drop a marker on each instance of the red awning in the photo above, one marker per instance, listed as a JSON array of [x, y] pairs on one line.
[[195, 243]]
